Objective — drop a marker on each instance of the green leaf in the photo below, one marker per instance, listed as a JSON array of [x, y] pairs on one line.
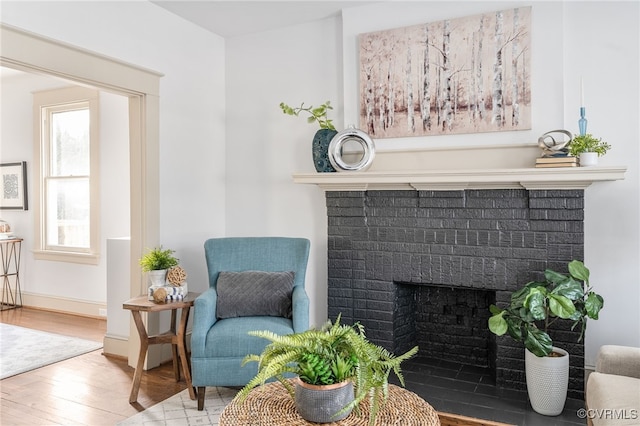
[[593, 304], [579, 271], [561, 306], [494, 309], [497, 324], [570, 289], [537, 341], [515, 330], [555, 277], [535, 303]]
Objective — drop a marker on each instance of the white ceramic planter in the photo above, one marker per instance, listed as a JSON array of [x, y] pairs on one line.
[[588, 159], [547, 381], [157, 278]]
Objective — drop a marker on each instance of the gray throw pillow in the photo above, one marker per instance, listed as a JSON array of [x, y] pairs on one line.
[[254, 293]]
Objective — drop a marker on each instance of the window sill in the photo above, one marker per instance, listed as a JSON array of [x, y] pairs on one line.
[[61, 256]]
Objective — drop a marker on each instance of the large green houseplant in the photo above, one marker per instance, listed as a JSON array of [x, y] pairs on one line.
[[537, 305], [330, 355], [532, 310]]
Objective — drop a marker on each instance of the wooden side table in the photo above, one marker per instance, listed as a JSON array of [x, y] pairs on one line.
[[176, 336], [10, 250]]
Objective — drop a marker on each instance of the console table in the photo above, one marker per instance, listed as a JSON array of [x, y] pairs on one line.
[[176, 336], [271, 404], [10, 250]]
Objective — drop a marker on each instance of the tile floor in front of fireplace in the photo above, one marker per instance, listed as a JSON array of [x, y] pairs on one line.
[[470, 391]]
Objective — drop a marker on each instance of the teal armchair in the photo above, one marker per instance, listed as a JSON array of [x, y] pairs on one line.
[[250, 282]]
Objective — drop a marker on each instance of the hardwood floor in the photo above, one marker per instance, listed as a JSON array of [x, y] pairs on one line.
[[91, 389]]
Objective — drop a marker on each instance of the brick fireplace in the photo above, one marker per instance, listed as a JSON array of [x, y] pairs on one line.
[[422, 266]]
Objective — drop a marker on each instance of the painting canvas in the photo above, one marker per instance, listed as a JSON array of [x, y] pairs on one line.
[[13, 186], [463, 75]]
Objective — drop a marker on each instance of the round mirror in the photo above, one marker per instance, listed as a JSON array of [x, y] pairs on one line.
[[351, 150]]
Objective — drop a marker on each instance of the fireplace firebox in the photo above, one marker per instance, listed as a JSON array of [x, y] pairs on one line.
[[421, 267]]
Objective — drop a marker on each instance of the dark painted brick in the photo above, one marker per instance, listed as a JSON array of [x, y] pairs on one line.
[[479, 239]]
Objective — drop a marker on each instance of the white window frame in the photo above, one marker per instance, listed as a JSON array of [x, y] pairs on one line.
[[45, 103]]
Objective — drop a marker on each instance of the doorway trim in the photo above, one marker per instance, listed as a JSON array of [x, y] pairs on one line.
[[36, 54]]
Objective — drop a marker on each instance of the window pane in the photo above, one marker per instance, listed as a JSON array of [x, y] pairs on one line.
[[70, 147], [68, 212]]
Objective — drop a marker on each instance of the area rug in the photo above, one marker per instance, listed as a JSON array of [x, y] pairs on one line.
[[23, 349], [180, 410]]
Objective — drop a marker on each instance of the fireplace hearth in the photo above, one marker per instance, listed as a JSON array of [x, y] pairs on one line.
[[421, 267]]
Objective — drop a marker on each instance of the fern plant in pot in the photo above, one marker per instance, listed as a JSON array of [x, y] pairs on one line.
[[533, 309], [335, 358]]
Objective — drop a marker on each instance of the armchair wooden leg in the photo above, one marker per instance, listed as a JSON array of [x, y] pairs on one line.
[[201, 390]]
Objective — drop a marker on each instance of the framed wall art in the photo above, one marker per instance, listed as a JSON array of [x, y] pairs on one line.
[[13, 186], [462, 75]]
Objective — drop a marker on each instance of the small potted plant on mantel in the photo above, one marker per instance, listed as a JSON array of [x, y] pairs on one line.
[[532, 310], [588, 149], [322, 138], [335, 358]]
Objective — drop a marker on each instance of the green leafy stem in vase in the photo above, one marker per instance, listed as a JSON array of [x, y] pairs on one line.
[[316, 114]]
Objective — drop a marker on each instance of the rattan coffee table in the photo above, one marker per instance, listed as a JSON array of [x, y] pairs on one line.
[[271, 405]]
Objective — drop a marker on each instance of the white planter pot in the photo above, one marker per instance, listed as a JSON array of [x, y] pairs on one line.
[[157, 278], [588, 159], [547, 381]]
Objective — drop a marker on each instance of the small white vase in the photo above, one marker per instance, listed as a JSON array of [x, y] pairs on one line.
[[547, 381], [158, 278], [588, 159]]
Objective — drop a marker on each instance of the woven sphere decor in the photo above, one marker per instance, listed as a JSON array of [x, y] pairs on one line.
[[271, 405], [176, 276]]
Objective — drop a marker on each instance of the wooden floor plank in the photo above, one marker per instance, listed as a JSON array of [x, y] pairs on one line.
[[91, 389]]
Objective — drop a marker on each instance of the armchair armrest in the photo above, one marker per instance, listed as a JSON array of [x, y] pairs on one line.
[[204, 316], [619, 360], [300, 304]]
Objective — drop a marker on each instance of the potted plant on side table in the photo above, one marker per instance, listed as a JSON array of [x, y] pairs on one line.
[[156, 262], [336, 356], [588, 149], [532, 310]]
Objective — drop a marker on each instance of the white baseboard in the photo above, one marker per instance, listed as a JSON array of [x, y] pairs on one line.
[[116, 346], [65, 305]]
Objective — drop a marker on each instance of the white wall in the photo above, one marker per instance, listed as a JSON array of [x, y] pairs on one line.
[[81, 283], [265, 147], [602, 44], [192, 110], [303, 63]]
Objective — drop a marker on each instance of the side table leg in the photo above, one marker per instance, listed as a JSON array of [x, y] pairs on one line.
[[183, 351], [174, 347], [144, 345]]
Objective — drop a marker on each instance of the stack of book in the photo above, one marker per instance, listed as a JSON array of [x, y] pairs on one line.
[[564, 161]]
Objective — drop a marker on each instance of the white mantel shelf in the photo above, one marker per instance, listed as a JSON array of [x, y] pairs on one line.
[[450, 180]]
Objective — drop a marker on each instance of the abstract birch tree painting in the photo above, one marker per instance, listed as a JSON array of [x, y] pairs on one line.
[[464, 75]]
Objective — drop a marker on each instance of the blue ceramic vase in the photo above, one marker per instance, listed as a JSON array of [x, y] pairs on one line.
[[320, 150]]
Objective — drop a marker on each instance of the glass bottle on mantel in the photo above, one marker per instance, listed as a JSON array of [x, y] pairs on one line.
[[582, 122]]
